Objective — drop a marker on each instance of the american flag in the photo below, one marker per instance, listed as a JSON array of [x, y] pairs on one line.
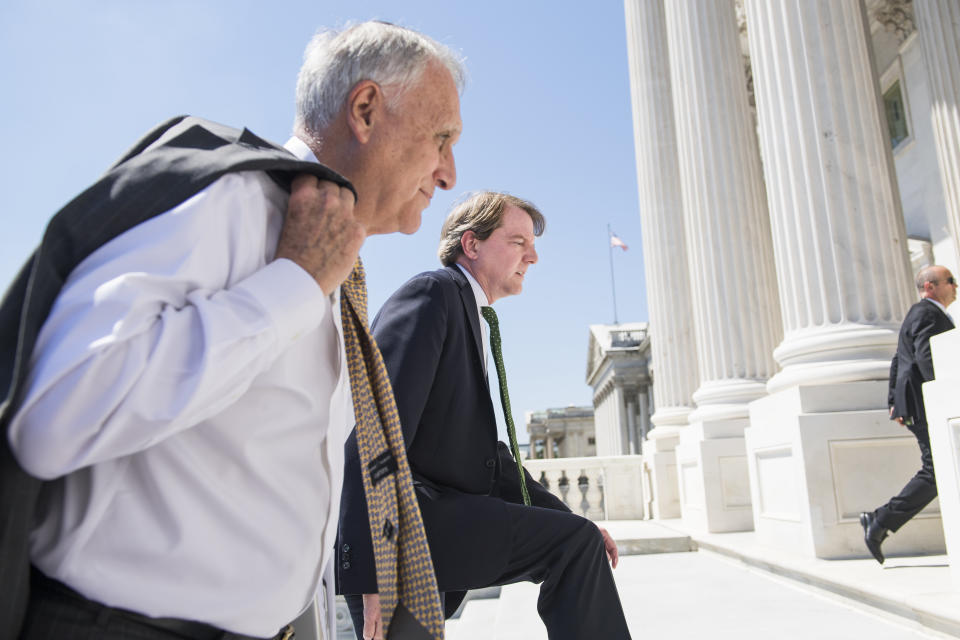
[[617, 242]]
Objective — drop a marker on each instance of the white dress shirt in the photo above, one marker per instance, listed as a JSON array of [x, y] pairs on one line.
[[193, 395], [481, 298]]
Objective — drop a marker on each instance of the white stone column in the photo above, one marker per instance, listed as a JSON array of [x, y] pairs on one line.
[[734, 295], [643, 423], [672, 344], [633, 447], [622, 446], [938, 24], [838, 232], [661, 213], [820, 448], [733, 288]]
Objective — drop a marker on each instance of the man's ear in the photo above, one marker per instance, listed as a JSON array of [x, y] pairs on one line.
[[365, 104], [468, 242]]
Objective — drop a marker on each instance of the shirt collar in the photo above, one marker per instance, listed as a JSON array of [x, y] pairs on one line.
[[477, 289], [299, 148], [942, 308]]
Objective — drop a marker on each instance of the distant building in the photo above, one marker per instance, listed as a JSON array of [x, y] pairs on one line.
[[561, 433], [618, 369]]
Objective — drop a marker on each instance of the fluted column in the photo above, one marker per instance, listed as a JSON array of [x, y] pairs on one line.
[[839, 238], [938, 24], [672, 347], [732, 281]]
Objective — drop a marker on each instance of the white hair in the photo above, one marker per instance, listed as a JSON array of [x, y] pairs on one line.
[[335, 61]]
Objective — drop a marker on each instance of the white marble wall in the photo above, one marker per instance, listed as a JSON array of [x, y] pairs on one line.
[[943, 416]]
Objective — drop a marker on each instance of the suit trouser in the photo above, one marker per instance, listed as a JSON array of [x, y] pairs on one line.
[[565, 554], [918, 492]]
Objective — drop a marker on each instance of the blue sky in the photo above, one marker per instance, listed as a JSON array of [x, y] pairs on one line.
[[546, 115]]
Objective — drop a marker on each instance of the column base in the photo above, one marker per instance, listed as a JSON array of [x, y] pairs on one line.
[[712, 477], [943, 417], [818, 455], [848, 352]]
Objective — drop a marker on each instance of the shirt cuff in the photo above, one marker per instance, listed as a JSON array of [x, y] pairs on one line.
[[291, 297]]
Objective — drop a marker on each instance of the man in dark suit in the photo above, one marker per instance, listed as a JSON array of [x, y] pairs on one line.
[[480, 532], [911, 367]]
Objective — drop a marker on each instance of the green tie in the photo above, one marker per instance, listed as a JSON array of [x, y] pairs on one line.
[[405, 577], [496, 346]]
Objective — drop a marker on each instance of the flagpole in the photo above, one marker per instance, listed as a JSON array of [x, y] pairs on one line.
[[613, 286]]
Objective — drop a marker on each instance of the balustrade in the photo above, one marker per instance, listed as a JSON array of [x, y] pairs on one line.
[[598, 488]]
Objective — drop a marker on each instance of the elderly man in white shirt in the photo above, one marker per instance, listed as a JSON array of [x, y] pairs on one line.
[[189, 391]]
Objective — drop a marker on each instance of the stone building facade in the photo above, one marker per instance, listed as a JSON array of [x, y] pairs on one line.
[[618, 370], [796, 162], [566, 432]]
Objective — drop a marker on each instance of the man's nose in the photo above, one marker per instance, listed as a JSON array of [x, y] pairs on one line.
[[446, 174], [532, 256]]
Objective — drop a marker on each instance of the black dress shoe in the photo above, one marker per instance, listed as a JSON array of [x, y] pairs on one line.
[[873, 534]]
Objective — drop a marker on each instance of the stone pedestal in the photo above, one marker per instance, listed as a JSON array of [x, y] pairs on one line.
[[713, 478], [660, 472], [942, 402], [821, 454]]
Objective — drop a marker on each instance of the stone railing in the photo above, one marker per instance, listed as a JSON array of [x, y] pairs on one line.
[[607, 488]]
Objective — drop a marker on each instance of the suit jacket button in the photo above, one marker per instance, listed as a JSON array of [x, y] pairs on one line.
[[346, 548], [345, 565], [491, 463]]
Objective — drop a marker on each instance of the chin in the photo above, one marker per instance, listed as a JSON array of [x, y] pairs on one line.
[[410, 224]]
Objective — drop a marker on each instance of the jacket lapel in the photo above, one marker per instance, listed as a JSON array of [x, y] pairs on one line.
[[470, 311]]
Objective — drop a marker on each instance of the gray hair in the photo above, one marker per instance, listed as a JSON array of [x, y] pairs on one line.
[[335, 61], [481, 212]]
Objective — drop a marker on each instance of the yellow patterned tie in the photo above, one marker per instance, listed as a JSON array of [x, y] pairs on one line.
[[404, 569]]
